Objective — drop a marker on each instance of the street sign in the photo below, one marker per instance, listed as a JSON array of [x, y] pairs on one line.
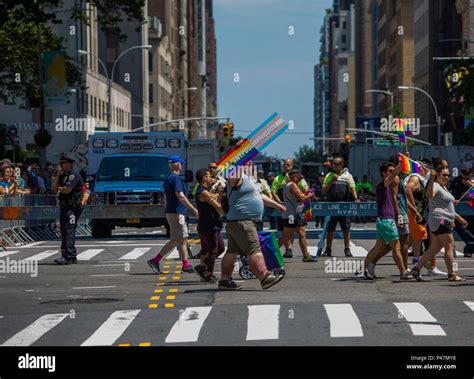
[[10, 142], [386, 142]]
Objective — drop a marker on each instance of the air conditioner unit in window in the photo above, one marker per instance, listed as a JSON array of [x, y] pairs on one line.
[[154, 23]]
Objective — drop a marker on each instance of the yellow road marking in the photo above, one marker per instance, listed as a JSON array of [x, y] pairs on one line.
[[169, 305], [158, 291], [160, 284], [176, 277], [177, 272], [165, 272], [170, 297], [155, 298], [166, 266], [145, 344], [152, 306], [124, 344], [162, 277], [173, 290]]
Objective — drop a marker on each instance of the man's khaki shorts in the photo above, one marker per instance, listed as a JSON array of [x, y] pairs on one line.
[[178, 226], [242, 237]]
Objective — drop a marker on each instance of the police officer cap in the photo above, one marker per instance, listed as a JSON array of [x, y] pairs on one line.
[[65, 159]]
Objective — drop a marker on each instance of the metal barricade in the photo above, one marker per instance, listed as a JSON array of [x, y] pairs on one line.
[[17, 232]]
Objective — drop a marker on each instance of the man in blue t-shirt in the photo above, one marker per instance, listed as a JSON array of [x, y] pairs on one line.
[[177, 205]]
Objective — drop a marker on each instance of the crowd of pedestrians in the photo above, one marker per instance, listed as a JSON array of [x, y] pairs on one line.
[[414, 211], [22, 179], [419, 210]]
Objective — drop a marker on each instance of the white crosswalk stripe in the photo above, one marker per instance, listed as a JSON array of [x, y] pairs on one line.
[[88, 254], [470, 304], [343, 321], [7, 253], [263, 322], [419, 319], [42, 255], [112, 328], [135, 253], [358, 251], [189, 324], [36, 330]]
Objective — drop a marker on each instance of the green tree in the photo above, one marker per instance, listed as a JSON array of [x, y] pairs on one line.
[[308, 154], [24, 23]]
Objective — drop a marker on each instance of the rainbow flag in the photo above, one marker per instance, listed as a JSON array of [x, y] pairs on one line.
[[401, 131], [470, 193], [409, 166], [255, 143]]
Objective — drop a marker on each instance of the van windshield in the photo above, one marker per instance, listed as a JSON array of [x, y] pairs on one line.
[[132, 168]]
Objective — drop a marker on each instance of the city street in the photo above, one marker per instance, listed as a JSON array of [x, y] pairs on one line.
[[111, 297]]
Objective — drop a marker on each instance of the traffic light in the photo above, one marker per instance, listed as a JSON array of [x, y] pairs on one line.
[[348, 138], [231, 130], [226, 131]]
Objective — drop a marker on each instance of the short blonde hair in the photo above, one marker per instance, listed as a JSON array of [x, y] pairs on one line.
[[174, 166]]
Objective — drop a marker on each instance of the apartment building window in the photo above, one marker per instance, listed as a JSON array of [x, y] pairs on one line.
[[150, 93], [86, 104], [100, 109], [95, 106], [150, 61], [344, 25]]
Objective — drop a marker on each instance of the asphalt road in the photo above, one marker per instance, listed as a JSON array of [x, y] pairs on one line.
[[113, 298]]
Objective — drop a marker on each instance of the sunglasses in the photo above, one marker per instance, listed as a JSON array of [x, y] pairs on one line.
[[212, 168]]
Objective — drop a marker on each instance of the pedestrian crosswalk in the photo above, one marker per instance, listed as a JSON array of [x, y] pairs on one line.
[[264, 322], [107, 252]]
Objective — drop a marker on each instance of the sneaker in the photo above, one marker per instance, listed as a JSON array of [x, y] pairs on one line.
[[371, 270], [359, 274], [406, 276], [415, 260], [270, 280], [74, 261], [201, 271], [416, 274], [367, 275], [310, 258], [327, 252], [288, 254], [210, 279], [188, 270], [228, 285], [63, 261], [154, 266], [436, 272], [347, 252]]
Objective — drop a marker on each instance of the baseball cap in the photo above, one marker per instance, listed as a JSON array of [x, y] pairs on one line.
[[175, 159], [465, 166]]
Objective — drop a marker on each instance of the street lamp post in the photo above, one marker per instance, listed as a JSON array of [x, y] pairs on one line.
[[438, 122], [110, 77]]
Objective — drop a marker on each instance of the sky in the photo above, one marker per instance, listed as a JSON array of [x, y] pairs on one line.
[[276, 69]]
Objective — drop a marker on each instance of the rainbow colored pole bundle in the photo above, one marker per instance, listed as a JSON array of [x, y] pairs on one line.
[[409, 166], [255, 143], [308, 213]]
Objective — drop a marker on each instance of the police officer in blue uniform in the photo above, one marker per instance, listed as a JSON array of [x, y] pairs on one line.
[[68, 183]]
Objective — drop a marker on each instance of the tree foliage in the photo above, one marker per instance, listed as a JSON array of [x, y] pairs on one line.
[[308, 154], [22, 22]]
